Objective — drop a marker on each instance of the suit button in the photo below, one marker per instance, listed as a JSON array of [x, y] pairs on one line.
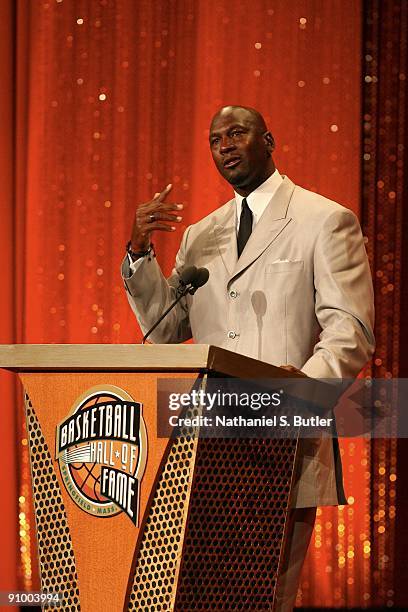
[[233, 294], [232, 334]]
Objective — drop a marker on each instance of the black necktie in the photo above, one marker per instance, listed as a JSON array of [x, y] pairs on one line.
[[245, 226]]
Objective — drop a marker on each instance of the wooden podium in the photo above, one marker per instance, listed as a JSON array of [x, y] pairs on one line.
[[197, 524]]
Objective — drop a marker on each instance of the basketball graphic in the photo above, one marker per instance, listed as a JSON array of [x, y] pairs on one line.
[[102, 449]]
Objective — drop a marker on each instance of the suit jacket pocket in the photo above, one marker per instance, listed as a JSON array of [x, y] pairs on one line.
[[284, 266]]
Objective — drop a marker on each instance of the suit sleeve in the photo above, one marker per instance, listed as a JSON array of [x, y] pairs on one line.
[[344, 302], [149, 294]]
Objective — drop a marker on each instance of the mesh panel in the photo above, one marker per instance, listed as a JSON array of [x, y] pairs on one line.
[[56, 555], [160, 549], [235, 525]]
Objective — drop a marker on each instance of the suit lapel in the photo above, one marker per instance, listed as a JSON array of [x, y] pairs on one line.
[[268, 228], [226, 236]]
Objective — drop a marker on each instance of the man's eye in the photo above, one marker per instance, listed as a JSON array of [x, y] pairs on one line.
[[215, 141], [237, 133]]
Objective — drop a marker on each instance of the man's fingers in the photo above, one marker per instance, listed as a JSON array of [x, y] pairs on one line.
[[156, 208], [151, 214], [172, 206], [152, 227], [157, 215], [158, 205], [162, 216], [159, 196]]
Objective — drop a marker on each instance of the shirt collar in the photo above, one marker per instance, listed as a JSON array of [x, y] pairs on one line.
[[259, 199]]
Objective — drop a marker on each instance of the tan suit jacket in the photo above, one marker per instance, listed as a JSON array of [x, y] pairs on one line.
[[301, 293]]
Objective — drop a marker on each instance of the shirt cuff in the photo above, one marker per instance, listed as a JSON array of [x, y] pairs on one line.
[[134, 265]]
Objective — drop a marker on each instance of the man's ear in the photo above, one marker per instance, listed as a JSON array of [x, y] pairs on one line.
[[269, 139]]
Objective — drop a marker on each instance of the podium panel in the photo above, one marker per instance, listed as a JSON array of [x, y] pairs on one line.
[[100, 548], [130, 521]]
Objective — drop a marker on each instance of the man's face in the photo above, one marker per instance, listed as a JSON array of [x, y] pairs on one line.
[[241, 149]]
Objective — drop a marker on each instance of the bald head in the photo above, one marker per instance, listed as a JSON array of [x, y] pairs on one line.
[[251, 114]]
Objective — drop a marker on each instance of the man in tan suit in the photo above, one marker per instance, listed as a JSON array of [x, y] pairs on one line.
[[289, 284]]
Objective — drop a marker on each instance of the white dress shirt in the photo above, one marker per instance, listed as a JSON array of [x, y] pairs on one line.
[[259, 199]]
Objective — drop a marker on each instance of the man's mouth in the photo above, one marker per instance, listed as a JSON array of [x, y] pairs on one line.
[[232, 162]]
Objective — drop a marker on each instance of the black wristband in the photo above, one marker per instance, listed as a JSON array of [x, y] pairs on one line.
[[134, 255]]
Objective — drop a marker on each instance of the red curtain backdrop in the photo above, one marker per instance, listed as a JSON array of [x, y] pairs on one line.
[[8, 430], [107, 101]]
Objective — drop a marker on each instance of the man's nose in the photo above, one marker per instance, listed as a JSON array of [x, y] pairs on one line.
[[226, 144]]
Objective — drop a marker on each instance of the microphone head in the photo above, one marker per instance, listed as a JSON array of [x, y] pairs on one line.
[[202, 276], [188, 275]]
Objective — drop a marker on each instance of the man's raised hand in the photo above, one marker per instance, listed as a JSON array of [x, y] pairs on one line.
[[154, 215]]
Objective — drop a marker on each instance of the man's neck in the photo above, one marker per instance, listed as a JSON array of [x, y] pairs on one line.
[[244, 190]]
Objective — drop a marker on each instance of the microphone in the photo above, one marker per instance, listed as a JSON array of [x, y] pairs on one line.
[[187, 277], [191, 279], [199, 280]]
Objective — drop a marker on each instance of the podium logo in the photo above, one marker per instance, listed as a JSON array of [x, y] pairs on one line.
[[101, 448]]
